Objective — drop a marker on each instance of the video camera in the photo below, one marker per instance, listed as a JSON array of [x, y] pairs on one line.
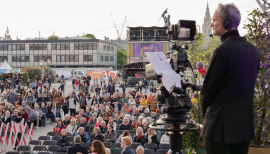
[[177, 102]]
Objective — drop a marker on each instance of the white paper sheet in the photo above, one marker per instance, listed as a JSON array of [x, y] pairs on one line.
[[162, 67]]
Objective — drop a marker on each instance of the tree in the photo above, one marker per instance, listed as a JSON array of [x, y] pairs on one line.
[[91, 36], [121, 57], [53, 37], [258, 25]]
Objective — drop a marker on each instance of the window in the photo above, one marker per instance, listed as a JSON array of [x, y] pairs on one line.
[[85, 46], [53, 46], [101, 58], [81, 46], [67, 46], [44, 58], [63, 58], [13, 47], [76, 46], [111, 58], [106, 58], [71, 58], [9, 47], [1, 46], [63, 46], [87, 58], [31, 46], [35, 46], [40, 47], [5, 47], [44, 46], [67, 58], [90, 46], [22, 47], [58, 47], [76, 58], [94, 46], [3, 58], [49, 57], [58, 58], [104, 47], [20, 58], [18, 47], [39, 58], [36, 59]]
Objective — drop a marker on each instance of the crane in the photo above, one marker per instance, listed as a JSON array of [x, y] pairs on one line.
[[117, 31], [265, 6]]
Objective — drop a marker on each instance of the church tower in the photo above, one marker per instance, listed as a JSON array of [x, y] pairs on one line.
[[206, 29]]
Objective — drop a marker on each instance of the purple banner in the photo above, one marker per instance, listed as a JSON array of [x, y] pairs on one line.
[[137, 50], [147, 47]]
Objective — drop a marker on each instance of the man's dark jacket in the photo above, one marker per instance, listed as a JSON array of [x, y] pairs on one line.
[[228, 90], [77, 148], [87, 128], [128, 150]]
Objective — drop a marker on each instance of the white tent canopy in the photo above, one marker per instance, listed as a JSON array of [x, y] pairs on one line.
[[5, 65]]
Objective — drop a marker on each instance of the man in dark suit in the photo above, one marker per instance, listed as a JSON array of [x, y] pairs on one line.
[[228, 88], [125, 144], [77, 147]]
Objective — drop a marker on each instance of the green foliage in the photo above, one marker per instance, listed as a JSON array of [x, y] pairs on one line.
[[25, 76], [258, 26], [33, 71], [121, 57], [53, 37], [92, 36]]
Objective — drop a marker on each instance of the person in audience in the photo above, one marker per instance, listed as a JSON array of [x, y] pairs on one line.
[[18, 120], [64, 102], [63, 141], [14, 115], [30, 99], [88, 114], [59, 126], [67, 119], [112, 123], [106, 118], [151, 136], [72, 105], [125, 133], [84, 136], [93, 121], [117, 120], [97, 135], [154, 117], [130, 118], [83, 124], [38, 115], [141, 108], [140, 119], [71, 128], [139, 137], [149, 120], [125, 125], [110, 114], [44, 114], [50, 114], [140, 150], [131, 102], [103, 128], [165, 139], [135, 124], [78, 119], [6, 119], [145, 126], [57, 103], [99, 120], [24, 115], [111, 135], [146, 112], [98, 147], [39, 99], [125, 144], [144, 102], [77, 148]]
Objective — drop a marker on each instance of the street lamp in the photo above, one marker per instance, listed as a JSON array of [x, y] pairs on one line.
[[54, 62], [41, 63]]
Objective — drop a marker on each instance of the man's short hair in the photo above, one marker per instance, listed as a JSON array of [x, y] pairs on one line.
[[77, 139], [140, 148], [81, 128], [27, 107], [127, 139], [233, 12], [83, 119]]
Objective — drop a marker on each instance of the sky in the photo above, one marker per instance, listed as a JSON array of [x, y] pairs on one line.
[[25, 18]]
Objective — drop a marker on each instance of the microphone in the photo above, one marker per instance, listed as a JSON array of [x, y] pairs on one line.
[[211, 35]]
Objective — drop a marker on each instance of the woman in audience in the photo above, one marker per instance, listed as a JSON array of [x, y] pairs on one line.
[[139, 137], [78, 120], [153, 102], [124, 134], [165, 139], [83, 101], [96, 135], [125, 125], [88, 113], [151, 136], [71, 128], [140, 119], [112, 123], [144, 101], [99, 120], [57, 103], [110, 114], [93, 121], [63, 141], [131, 102], [64, 103], [59, 126], [146, 112], [106, 119], [110, 136], [144, 126], [98, 147], [135, 124]]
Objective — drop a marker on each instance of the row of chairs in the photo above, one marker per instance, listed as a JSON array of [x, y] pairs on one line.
[[119, 132]]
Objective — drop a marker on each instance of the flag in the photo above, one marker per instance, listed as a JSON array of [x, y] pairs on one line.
[[42, 72], [53, 32]]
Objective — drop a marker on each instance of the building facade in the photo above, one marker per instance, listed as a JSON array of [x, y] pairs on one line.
[[66, 53], [206, 29]]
